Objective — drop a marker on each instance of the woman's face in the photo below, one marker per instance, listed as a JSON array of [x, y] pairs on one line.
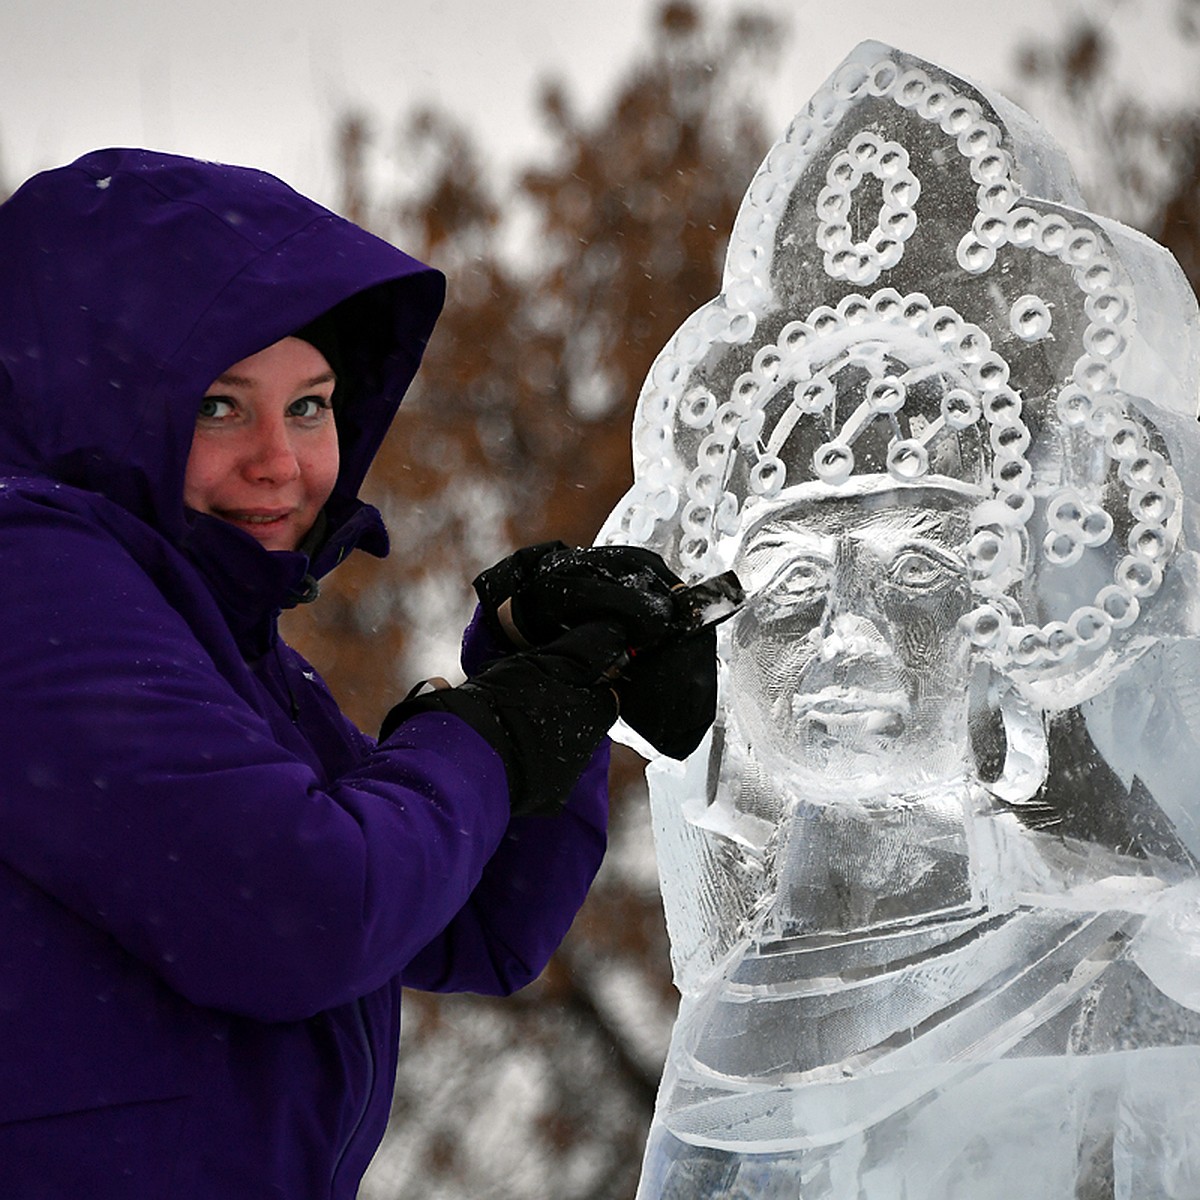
[[264, 455], [848, 665]]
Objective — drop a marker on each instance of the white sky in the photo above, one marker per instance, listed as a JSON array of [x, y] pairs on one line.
[[261, 81]]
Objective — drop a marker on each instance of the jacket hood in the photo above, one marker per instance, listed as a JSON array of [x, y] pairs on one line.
[[130, 279]]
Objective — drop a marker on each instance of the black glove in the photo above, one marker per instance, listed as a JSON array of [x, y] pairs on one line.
[[503, 581], [669, 693], [668, 683], [544, 712]]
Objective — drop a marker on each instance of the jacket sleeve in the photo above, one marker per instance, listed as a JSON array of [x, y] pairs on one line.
[[530, 892], [531, 888], [149, 797]]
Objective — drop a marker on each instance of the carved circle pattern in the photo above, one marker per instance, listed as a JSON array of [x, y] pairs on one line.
[[722, 428], [863, 262]]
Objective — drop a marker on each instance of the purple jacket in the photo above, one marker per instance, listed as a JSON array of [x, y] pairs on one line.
[[212, 886]]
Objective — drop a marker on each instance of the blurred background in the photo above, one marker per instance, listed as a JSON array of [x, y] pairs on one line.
[[575, 171]]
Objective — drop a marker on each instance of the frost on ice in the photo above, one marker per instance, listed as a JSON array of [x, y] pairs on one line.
[[931, 883]]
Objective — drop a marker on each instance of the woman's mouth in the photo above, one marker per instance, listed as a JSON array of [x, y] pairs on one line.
[[257, 517], [274, 528]]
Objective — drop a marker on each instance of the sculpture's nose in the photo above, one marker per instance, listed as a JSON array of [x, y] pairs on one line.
[[849, 635], [852, 627]]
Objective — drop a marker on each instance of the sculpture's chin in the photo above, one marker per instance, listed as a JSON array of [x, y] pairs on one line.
[[857, 756]]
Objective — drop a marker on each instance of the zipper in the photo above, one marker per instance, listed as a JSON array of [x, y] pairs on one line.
[[293, 703], [360, 1025]]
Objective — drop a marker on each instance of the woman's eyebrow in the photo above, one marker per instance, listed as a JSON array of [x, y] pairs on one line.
[[230, 380]]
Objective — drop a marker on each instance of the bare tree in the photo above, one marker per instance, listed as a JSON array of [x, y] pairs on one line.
[[519, 430], [1142, 157]]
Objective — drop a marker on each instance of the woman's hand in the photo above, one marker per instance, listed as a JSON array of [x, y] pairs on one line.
[[666, 679]]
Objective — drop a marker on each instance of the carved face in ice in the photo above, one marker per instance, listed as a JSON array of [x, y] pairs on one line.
[[848, 663], [902, 313]]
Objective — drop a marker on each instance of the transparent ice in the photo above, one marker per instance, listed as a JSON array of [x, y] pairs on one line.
[[931, 883]]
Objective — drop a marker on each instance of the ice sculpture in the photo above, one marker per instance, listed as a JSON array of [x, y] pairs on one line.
[[931, 883]]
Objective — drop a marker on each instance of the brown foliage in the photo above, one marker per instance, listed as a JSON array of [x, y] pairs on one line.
[[517, 430], [518, 427], [1144, 164]]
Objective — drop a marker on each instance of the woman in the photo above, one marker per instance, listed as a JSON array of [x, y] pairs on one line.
[[212, 886]]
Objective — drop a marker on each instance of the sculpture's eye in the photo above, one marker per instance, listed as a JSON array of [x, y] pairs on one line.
[[919, 571], [802, 584]]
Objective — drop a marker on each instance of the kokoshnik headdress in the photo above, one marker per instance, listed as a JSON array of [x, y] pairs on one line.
[[913, 298]]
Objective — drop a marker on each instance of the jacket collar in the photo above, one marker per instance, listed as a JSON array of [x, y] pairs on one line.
[[253, 585]]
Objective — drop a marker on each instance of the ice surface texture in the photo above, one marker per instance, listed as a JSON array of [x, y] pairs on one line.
[[931, 883]]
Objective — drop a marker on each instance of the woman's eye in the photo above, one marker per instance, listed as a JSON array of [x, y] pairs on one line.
[[214, 408], [308, 406]]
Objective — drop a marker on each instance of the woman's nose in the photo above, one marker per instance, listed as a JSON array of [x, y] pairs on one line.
[[271, 457]]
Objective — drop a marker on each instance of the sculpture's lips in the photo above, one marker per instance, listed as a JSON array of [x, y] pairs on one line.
[[854, 709]]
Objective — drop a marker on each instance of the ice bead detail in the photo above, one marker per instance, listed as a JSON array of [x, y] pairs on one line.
[[931, 881]]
